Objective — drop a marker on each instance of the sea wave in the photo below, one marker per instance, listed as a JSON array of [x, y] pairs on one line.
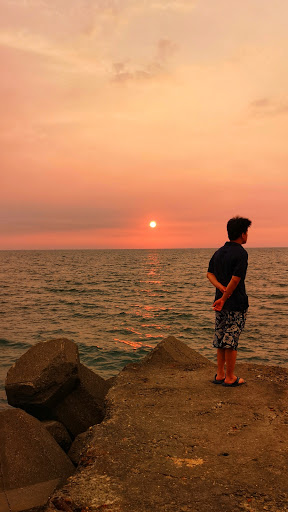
[[117, 305]]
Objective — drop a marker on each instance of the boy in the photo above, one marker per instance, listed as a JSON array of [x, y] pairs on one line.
[[227, 271]]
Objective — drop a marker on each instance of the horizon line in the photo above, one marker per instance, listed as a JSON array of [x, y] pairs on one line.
[[137, 248]]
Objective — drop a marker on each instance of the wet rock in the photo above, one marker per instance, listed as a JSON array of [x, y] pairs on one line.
[[43, 376], [59, 432], [32, 463], [85, 405]]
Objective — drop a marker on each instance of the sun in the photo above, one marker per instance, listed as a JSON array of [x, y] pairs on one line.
[[152, 224]]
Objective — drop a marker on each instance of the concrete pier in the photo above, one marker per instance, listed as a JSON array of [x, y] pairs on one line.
[[173, 441]]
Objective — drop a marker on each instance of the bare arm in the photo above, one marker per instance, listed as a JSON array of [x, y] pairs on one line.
[[232, 285], [212, 278]]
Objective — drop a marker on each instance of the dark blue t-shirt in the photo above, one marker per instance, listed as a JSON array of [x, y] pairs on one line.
[[231, 260]]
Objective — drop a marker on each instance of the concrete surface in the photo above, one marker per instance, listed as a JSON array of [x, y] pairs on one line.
[[173, 441], [79, 446], [42, 376], [32, 464], [26, 498], [85, 405]]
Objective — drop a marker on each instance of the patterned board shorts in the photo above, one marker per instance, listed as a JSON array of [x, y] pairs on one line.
[[228, 327]]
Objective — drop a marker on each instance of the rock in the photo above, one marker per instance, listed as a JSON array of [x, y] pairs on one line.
[[32, 463], [173, 351], [42, 376], [78, 446], [59, 432], [85, 405]]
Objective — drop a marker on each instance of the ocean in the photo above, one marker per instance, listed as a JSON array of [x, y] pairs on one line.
[[118, 304]]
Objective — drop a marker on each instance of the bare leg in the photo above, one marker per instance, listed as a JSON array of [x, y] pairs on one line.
[[230, 360], [220, 363]]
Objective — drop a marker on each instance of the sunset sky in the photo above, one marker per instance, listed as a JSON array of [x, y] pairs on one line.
[[118, 112]]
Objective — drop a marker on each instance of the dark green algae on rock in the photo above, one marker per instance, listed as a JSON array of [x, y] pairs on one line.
[[172, 441]]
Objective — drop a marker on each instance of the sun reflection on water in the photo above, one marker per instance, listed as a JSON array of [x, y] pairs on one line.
[[148, 306], [133, 344]]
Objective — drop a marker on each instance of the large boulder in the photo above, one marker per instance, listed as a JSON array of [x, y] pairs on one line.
[[32, 463], [43, 376], [85, 405]]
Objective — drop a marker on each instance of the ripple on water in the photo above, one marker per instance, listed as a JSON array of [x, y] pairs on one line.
[[117, 305]]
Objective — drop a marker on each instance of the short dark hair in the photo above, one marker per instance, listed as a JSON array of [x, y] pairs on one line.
[[237, 226]]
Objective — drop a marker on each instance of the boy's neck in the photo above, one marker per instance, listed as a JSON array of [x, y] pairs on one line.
[[241, 239]]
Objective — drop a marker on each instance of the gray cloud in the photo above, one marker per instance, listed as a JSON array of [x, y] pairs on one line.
[[118, 6], [125, 71], [268, 107], [43, 219], [82, 36], [165, 50]]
